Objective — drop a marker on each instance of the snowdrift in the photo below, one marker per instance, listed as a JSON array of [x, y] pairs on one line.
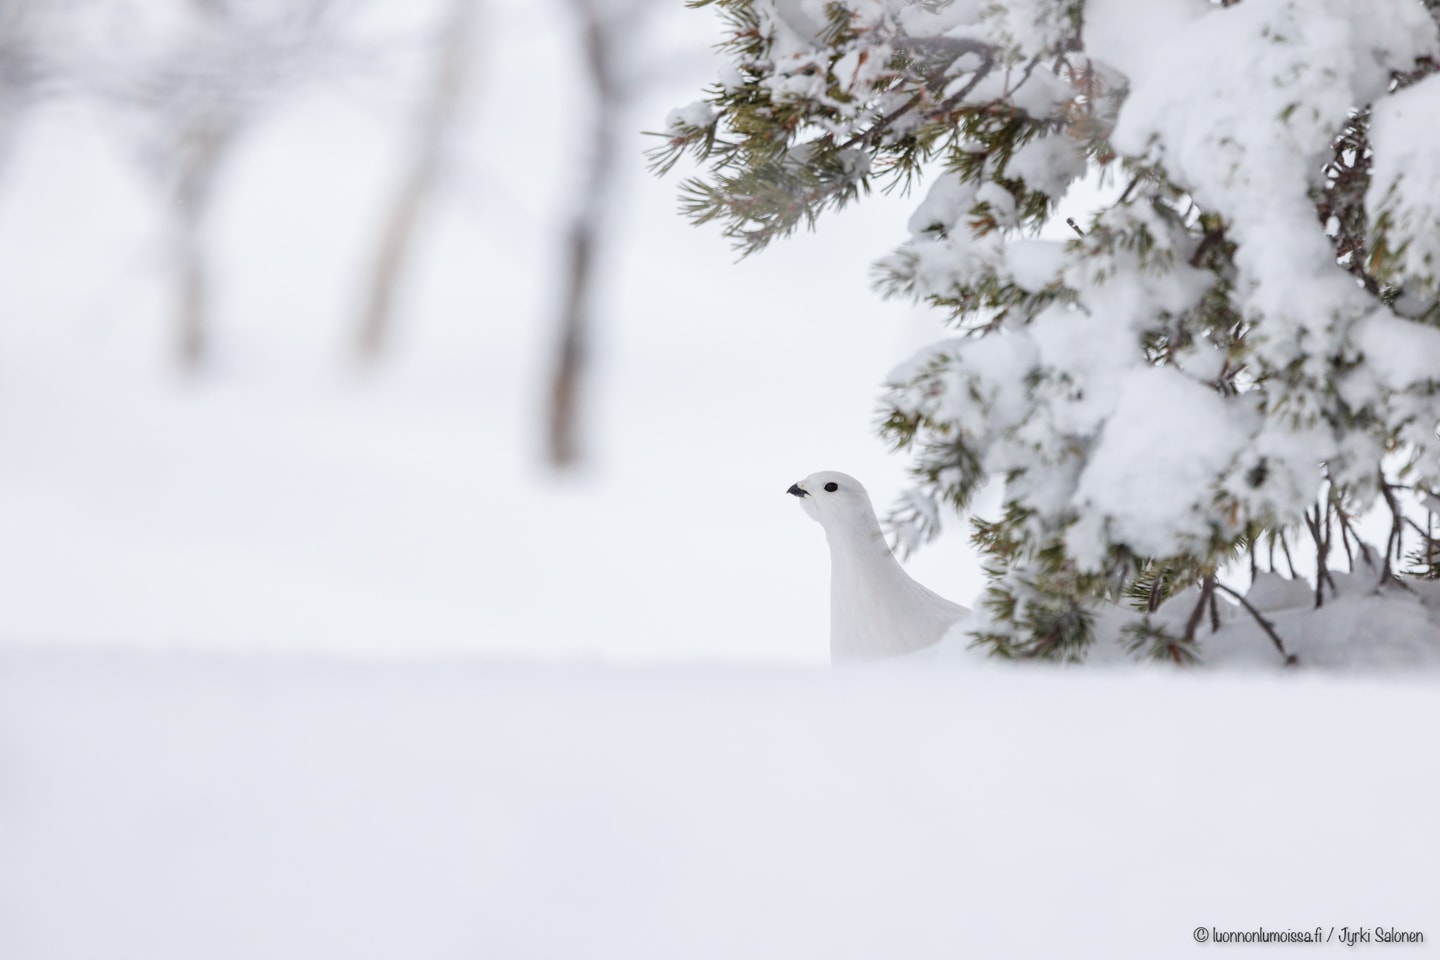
[[163, 806]]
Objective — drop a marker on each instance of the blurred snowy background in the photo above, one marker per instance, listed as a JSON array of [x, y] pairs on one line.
[[206, 442]]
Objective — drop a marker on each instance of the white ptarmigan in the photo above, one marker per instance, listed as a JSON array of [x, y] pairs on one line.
[[876, 608]]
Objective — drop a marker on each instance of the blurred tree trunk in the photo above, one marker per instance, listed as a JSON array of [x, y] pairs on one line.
[[203, 144], [601, 24], [204, 131], [452, 68]]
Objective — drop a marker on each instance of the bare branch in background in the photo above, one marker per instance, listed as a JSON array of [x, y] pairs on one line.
[[452, 70]]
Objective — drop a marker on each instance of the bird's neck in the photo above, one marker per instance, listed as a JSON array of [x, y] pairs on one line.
[[861, 546]]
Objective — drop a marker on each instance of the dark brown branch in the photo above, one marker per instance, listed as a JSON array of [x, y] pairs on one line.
[[1266, 625], [1347, 529], [1322, 553], [1206, 587], [1289, 561], [1345, 538], [1134, 182], [1419, 529], [1397, 520]]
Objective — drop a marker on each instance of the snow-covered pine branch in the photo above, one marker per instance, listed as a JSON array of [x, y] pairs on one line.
[[1240, 348]]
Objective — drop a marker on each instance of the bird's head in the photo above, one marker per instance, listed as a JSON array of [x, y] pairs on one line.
[[836, 500]]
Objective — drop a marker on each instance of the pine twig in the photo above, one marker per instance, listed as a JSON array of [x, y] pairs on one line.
[[959, 47], [884, 122]]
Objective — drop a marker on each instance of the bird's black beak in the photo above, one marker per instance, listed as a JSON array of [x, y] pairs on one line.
[[795, 491]]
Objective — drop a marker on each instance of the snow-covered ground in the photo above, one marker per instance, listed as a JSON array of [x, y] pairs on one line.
[[178, 807]]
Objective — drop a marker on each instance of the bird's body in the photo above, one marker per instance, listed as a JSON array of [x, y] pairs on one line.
[[876, 608]]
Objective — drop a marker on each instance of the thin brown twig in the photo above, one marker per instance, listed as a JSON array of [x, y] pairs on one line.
[[1134, 182], [1266, 625], [1289, 561]]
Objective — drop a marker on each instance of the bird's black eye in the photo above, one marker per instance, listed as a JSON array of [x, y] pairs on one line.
[[831, 487]]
